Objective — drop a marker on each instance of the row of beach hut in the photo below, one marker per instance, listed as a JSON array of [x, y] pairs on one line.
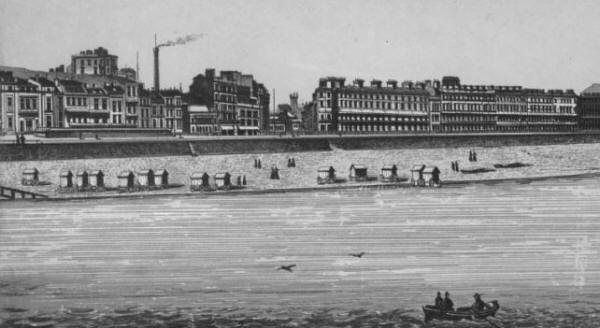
[[95, 179], [222, 180], [421, 175]]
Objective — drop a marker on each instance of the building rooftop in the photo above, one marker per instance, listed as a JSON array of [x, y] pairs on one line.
[[592, 90]]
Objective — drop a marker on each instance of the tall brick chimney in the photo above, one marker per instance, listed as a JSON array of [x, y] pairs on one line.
[[156, 77]]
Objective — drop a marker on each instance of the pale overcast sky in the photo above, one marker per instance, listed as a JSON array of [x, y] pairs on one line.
[[288, 45]]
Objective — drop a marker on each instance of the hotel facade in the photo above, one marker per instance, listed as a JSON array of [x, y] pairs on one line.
[[438, 107], [375, 108]]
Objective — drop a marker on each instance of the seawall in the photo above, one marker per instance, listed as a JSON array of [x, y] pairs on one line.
[[156, 148], [228, 145]]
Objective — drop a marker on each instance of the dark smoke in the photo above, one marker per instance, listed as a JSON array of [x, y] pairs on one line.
[[181, 40]]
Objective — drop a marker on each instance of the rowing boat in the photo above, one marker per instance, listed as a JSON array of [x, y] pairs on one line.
[[464, 313]]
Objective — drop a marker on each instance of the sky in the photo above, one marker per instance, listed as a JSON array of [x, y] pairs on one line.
[[289, 45]]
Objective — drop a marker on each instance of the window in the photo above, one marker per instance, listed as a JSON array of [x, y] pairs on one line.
[[9, 102], [49, 104], [96, 103], [104, 103]]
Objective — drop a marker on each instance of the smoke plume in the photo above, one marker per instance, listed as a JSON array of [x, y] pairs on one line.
[[181, 40]]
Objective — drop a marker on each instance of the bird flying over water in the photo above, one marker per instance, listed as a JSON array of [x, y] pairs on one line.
[[286, 267], [359, 255]]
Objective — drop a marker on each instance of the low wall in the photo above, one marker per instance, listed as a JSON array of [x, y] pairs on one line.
[[104, 132], [107, 149], [182, 147], [449, 140]]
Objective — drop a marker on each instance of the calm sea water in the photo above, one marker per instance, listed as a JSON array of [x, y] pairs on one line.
[[211, 261]]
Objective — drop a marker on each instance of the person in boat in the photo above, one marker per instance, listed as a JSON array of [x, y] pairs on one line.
[[479, 305], [447, 304], [439, 301]]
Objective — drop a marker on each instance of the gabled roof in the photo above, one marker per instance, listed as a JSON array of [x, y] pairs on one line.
[[418, 167], [430, 169], [96, 91], [44, 82], [114, 90], [71, 86]]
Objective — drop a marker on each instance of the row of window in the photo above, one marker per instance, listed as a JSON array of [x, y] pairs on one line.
[[28, 102], [363, 118], [381, 128], [467, 107], [377, 96], [467, 118], [381, 105], [468, 98]]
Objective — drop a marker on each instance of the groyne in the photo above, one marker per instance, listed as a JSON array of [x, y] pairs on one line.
[[55, 150]]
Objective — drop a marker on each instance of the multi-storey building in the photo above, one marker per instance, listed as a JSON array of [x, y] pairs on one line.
[[552, 110], [96, 62], [466, 108], [49, 114], [145, 108], [480, 108], [116, 102], [511, 109], [588, 107], [374, 108], [309, 118], [19, 104], [240, 103], [197, 119], [172, 99]]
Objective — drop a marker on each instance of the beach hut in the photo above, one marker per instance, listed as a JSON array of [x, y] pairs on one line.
[[96, 178], [146, 178], [161, 178], [431, 176], [197, 181], [30, 176], [389, 173], [126, 179], [81, 179], [417, 175], [223, 180], [358, 172], [325, 175], [66, 179]]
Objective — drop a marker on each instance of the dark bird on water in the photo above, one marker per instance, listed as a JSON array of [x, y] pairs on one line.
[[359, 255], [287, 267]]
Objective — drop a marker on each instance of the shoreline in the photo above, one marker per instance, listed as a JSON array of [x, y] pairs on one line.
[[380, 186]]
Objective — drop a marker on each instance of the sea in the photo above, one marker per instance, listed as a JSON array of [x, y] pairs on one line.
[[213, 260]]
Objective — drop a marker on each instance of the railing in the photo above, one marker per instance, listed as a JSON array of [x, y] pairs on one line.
[[11, 193]]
